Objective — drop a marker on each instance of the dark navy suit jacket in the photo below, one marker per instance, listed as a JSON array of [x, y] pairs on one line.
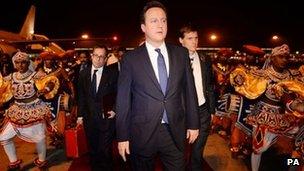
[[140, 101], [90, 107]]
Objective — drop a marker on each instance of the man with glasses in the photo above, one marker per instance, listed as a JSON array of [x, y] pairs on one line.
[[96, 83]]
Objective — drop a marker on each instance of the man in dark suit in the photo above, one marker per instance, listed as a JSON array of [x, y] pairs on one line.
[[156, 101], [97, 87], [203, 79]]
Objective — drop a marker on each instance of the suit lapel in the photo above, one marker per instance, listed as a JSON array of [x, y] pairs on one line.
[[148, 66], [88, 77], [103, 79], [203, 71], [172, 69]]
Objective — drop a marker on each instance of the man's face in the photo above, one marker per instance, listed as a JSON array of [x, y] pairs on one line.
[[99, 57], [280, 61], [82, 57], [22, 65], [190, 41], [48, 63], [38, 60], [155, 26]]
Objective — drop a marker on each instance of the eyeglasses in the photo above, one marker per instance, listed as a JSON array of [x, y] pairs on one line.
[[99, 56]]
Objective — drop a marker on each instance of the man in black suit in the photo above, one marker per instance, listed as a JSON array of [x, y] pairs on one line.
[[204, 84], [97, 87], [156, 101]]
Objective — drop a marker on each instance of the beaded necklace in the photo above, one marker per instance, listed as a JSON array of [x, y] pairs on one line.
[[277, 76], [22, 76]]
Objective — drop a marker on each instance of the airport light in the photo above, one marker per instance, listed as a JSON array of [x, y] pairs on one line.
[[275, 37], [85, 36], [213, 37], [276, 40]]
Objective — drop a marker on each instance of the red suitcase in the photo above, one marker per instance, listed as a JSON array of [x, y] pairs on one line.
[[75, 142]]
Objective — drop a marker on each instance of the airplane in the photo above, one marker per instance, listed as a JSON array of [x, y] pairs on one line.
[[8, 39], [26, 31], [26, 38]]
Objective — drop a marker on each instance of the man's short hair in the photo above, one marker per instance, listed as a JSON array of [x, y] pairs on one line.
[[186, 29], [101, 47], [151, 4]]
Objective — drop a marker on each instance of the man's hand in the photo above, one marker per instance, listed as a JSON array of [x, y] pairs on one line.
[[278, 91], [42, 92], [111, 114], [79, 120], [78, 62], [123, 149], [192, 134], [297, 105]]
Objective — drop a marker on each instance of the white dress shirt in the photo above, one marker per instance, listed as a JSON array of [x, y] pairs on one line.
[[198, 80], [98, 75], [153, 57]]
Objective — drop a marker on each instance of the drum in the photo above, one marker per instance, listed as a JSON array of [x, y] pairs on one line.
[[299, 142], [221, 106], [229, 103], [65, 102], [234, 103]]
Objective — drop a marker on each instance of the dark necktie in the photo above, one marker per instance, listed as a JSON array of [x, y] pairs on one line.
[[163, 77], [81, 67], [93, 83]]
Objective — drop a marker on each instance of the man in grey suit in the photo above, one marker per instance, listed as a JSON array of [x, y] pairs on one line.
[[204, 84], [156, 101]]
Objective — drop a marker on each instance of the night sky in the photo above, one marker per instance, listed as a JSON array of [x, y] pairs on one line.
[[236, 22]]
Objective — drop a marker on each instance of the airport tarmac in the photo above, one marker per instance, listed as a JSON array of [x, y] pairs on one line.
[[216, 154]]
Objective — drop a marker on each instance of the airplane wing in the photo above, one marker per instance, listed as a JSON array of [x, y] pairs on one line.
[[51, 44], [10, 42], [58, 40]]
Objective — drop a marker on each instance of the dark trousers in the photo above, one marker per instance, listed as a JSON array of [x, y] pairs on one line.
[[100, 144], [200, 142], [172, 158]]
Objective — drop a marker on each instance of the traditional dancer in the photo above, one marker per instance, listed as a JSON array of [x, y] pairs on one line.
[[61, 104], [268, 116], [27, 115]]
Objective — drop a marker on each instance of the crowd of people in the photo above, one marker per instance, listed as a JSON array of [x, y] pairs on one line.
[[154, 100]]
